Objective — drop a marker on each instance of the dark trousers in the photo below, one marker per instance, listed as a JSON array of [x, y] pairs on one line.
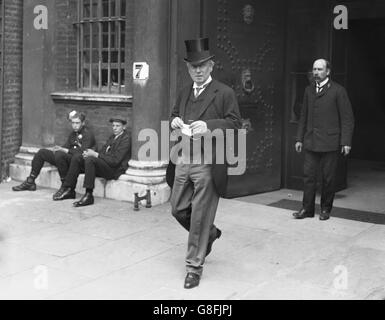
[[59, 159], [92, 168], [327, 163], [194, 202]]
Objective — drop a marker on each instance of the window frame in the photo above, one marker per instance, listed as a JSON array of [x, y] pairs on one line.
[[97, 23]]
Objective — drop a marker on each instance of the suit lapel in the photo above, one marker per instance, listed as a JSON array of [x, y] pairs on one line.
[[183, 102], [114, 141], [210, 95]]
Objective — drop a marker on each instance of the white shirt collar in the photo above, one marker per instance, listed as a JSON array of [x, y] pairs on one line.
[[209, 79], [321, 84]]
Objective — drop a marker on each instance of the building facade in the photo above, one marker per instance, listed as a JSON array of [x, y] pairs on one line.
[[84, 58]]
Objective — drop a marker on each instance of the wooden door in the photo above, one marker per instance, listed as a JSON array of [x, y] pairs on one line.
[[247, 38]]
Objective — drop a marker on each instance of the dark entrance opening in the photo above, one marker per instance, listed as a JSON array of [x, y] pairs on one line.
[[365, 82]]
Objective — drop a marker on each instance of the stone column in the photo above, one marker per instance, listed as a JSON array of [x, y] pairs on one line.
[[150, 98]]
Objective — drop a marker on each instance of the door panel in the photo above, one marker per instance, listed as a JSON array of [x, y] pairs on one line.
[[247, 38]]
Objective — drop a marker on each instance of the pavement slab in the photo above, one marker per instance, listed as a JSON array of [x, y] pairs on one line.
[[51, 250]]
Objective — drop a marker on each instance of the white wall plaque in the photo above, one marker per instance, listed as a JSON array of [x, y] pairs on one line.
[[140, 70]]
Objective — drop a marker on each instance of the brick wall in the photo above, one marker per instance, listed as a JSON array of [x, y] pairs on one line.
[[66, 45], [11, 107]]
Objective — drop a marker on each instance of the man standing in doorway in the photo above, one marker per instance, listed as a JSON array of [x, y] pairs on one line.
[[325, 130], [204, 105]]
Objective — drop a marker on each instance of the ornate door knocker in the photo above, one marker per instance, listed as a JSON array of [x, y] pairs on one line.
[[247, 83], [248, 14]]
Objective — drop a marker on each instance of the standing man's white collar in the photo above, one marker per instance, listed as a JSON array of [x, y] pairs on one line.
[[321, 84], [209, 79]]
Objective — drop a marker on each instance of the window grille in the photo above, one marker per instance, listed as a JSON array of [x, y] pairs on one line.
[[101, 45]]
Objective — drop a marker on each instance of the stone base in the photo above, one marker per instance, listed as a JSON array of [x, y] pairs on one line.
[[122, 189]]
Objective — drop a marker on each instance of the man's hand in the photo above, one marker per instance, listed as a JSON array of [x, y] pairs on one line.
[[198, 127], [345, 150], [90, 153], [59, 148], [177, 123], [298, 146]]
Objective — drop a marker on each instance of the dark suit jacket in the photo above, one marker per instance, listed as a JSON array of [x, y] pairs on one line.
[[78, 142], [327, 120], [219, 110], [117, 152]]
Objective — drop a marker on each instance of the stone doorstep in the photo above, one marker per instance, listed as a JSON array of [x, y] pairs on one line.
[[120, 189]]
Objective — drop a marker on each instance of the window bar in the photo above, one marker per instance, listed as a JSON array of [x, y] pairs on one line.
[[81, 46], [119, 26], [100, 13], [91, 44], [109, 46]]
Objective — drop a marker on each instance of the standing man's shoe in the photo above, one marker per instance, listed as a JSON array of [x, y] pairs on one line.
[[29, 185], [324, 215], [65, 193], [302, 214], [210, 244], [86, 200], [192, 280]]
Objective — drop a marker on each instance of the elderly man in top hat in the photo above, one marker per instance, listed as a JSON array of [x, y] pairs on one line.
[[325, 129], [204, 105], [109, 163], [79, 140]]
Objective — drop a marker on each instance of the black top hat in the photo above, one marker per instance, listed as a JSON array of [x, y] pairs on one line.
[[118, 119], [197, 51]]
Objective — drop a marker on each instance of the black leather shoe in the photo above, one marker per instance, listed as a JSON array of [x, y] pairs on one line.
[[301, 214], [210, 244], [86, 200], [30, 186], [58, 193], [192, 280], [65, 193], [324, 215]]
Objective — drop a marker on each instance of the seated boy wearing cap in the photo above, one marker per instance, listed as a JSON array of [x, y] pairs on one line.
[[80, 139], [109, 163]]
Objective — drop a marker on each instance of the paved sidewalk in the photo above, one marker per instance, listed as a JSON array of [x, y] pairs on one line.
[[50, 250]]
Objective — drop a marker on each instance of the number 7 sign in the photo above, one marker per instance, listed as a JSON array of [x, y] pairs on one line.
[[140, 71]]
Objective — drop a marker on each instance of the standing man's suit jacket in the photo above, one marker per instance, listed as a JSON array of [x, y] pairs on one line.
[[219, 110], [117, 152], [327, 120]]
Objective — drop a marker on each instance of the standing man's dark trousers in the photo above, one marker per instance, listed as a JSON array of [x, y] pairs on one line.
[[92, 167], [327, 163], [59, 159], [193, 186]]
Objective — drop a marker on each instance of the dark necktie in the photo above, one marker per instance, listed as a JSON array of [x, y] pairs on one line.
[[198, 90]]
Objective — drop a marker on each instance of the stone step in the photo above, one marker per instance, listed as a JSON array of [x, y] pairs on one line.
[[120, 189]]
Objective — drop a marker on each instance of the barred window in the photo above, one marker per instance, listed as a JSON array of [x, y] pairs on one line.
[[101, 43]]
